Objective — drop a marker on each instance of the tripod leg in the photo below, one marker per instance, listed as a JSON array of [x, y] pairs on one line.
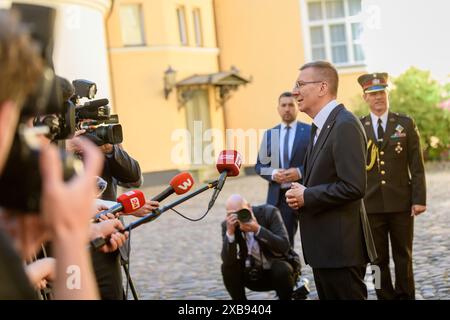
[[130, 282]]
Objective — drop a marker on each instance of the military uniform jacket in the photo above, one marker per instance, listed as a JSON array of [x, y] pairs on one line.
[[395, 170]]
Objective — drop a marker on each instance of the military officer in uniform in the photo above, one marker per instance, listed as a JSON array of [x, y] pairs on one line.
[[396, 190]]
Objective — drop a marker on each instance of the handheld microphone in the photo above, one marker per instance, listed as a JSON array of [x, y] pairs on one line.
[[179, 184], [128, 202], [228, 164]]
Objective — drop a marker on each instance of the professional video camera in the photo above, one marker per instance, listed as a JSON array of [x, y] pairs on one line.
[[95, 116]]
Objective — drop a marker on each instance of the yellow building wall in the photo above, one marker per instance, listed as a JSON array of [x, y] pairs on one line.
[[264, 39], [137, 78], [349, 89]]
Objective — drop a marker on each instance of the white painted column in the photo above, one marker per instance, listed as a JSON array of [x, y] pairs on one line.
[[80, 50]]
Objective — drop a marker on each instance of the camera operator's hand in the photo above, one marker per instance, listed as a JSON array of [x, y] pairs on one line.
[[71, 146], [108, 216], [251, 226], [67, 210], [232, 222], [148, 207], [109, 228], [107, 148], [102, 207], [67, 206], [41, 271]]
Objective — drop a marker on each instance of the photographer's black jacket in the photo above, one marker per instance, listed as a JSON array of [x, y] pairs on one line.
[[272, 238], [15, 284], [120, 168]]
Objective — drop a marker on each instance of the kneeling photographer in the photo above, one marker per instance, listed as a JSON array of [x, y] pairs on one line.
[[256, 251]]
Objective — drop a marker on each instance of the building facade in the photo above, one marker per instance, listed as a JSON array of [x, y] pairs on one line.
[[180, 73]]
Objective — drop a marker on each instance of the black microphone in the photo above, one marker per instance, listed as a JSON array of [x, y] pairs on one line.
[[96, 103]]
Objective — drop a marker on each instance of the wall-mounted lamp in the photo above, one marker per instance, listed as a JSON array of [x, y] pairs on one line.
[[170, 76]]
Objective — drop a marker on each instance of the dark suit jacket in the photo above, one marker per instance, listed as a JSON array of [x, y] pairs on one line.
[[334, 227], [15, 284], [400, 167], [120, 168], [265, 164], [272, 238]]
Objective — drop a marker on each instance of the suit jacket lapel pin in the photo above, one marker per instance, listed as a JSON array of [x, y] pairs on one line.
[[367, 123]]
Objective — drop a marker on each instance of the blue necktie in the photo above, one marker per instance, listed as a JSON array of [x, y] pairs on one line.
[[286, 149]]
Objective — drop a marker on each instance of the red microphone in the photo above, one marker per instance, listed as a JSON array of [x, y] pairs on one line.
[[128, 202], [179, 184], [229, 161], [228, 164]]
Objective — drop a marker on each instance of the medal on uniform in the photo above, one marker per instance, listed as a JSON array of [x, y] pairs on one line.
[[398, 148], [398, 132]]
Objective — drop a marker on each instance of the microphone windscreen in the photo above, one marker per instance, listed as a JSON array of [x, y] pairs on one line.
[[182, 182], [230, 161], [131, 201], [96, 103]]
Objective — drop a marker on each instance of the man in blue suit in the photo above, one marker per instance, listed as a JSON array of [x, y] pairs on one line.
[[280, 159]]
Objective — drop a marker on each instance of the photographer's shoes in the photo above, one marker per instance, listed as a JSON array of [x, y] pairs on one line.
[[301, 289]]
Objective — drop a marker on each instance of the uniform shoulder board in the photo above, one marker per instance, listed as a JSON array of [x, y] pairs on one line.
[[405, 118], [402, 115], [363, 117]]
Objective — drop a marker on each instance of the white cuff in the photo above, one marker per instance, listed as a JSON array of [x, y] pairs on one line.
[[230, 238], [273, 173], [299, 173]]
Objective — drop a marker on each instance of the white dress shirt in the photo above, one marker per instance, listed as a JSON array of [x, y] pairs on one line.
[[384, 119], [283, 132], [253, 248], [292, 133], [320, 118]]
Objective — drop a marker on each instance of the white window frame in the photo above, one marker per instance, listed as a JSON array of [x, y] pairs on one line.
[[325, 23], [198, 26], [182, 26], [142, 43]]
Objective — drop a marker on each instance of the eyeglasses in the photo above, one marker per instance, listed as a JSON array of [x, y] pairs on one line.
[[299, 85]]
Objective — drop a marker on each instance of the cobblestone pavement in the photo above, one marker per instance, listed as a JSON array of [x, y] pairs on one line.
[[173, 258]]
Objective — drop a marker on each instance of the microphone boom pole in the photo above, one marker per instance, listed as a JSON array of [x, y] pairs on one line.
[[156, 213]]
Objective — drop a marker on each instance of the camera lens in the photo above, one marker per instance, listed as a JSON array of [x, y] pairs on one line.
[[110, 134], [244, 215]]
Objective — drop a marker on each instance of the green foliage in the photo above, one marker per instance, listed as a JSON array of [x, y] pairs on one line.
[[416, 94]]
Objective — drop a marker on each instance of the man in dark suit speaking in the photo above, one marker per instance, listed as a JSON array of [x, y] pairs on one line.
[[336, 238]]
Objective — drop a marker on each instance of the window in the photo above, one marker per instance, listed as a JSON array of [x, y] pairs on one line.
[[335, 28], [181, 16], [197, 27], [131, 23]]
